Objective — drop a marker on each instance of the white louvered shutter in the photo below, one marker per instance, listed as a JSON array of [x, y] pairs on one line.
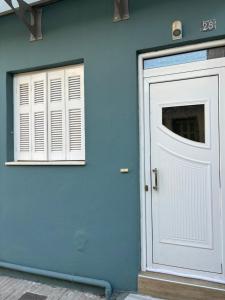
[[22, 117], [75, 132], [56, 115], [39, 116]]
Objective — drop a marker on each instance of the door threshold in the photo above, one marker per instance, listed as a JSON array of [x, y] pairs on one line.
[[175, 287], [180, 273]]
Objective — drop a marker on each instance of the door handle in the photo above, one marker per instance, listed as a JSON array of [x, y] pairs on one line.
[[155, 172]]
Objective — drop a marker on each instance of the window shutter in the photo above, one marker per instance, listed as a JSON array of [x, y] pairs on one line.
[[22, 118], [56, 115], [75, 132], [39, 116]]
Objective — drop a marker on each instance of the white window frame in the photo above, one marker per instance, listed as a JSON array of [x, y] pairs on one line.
[[70, 155]]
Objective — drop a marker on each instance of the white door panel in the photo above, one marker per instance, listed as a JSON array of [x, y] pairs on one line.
[[185, 152]]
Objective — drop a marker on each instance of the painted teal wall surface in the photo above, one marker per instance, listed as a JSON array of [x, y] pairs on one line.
[[86, 220]]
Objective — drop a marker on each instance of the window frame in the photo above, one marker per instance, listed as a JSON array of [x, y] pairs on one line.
[[49, 162]]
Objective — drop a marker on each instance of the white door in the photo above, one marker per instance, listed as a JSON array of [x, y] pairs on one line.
[[185, 165]]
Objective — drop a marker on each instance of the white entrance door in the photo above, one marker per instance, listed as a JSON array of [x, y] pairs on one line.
[[185, 165]]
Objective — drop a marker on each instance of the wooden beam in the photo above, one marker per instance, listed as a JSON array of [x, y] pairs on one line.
[[32, 21], [121, 10]]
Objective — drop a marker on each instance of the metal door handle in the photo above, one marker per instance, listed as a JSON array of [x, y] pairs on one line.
[[155, 172]]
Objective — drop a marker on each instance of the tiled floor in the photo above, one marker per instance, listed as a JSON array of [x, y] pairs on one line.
[[13, 289]]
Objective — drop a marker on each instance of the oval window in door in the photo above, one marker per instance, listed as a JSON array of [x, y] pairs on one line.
[[187, 121]]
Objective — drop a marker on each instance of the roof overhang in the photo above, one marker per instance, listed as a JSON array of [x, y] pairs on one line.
[[5, 8], [33, 21]]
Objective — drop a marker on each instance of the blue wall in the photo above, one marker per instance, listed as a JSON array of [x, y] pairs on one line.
[[85, 220]]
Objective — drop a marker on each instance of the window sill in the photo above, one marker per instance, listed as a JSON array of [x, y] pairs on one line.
[[46, 163]]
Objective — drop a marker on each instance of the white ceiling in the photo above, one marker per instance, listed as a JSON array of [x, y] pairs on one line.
[[4, 7]]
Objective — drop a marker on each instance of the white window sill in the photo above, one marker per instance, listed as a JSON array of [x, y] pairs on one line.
[[46, 163]]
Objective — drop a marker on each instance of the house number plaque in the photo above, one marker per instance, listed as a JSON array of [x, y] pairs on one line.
[[208, 25]]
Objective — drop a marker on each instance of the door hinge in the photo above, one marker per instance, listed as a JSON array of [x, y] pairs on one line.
[[146, 188]]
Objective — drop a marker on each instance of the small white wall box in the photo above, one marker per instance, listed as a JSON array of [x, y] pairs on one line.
[[124, 171], [177, 30]]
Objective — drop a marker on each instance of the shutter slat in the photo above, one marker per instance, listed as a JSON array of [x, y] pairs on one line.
[[24, 132], [39, 116], [75, 130], [74, 85], [39, 132], [22, 117], [56, 115], [24, 93], [56, 131]]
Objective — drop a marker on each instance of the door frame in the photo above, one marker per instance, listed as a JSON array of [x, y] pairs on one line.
[[214, 66]]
